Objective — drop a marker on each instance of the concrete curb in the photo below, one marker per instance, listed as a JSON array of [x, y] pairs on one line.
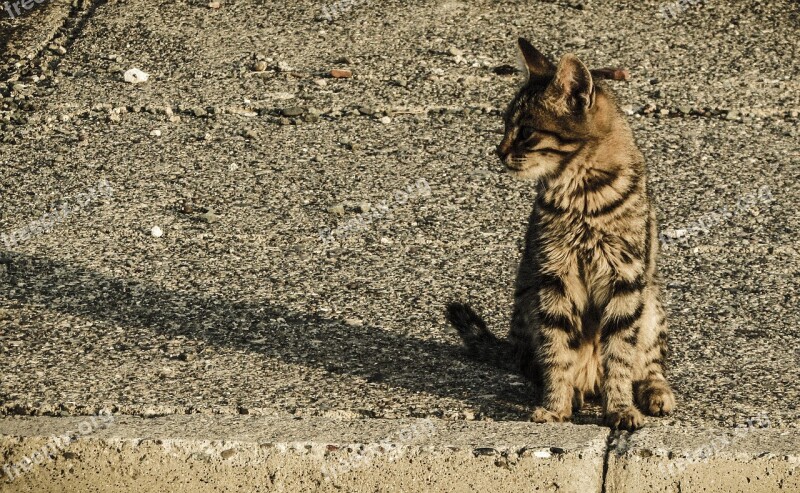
[[746, 460], [244, 453]]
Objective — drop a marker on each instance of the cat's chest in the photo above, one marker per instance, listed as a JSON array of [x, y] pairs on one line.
[[596, 245], [575, 231]]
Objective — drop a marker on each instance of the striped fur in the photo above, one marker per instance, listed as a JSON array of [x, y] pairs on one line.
[[588, 316]]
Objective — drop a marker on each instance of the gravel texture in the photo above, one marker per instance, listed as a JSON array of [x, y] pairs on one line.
[[241, 305]]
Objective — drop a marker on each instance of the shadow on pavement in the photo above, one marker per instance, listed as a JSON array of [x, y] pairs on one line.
[[308, 340]]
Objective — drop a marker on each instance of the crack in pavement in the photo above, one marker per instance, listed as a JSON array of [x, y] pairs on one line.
[[285, 115]]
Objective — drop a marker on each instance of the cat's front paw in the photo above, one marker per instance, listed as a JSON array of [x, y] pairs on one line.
[[630, 419], [542, 415], [656, 398]]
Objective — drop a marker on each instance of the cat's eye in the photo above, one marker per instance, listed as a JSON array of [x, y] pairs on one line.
[[526, 132]]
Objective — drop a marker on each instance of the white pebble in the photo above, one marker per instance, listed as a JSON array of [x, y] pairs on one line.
[[456, 51], [156, 133], [136, 76], [386, 119], [156, 232]]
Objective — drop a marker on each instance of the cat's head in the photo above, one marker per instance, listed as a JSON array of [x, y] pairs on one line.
[[558, 110]]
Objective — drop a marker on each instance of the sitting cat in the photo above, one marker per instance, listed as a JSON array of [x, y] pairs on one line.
[[588, 316]]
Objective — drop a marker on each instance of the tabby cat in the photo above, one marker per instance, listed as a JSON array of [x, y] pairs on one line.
[[588, 316]]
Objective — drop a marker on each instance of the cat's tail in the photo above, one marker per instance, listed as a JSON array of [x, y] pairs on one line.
[[480, 342]]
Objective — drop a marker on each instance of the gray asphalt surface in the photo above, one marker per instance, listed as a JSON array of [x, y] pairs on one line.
[[249, 310]]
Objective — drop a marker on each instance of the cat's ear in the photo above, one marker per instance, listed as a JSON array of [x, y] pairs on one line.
[[572, 88], [535, 64]]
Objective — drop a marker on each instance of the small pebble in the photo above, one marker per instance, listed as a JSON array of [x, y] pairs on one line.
[[136, 76], [386, 119], [260, 66], [156, 232], [337, 209], [578, 41], [155, 133], [214, 5], [321, 82], [293, 111], [209, 217], [366, 110], [455, 51], [338, 73]]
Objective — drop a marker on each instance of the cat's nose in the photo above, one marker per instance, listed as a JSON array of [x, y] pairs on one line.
[[502, 152], [504, 149]]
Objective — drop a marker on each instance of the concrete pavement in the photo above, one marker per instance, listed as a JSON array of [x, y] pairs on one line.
[[241, 310]]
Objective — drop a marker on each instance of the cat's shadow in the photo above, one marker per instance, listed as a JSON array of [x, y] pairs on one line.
[[372, 355]]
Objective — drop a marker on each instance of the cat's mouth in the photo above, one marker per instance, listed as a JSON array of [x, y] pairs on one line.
[[522, 172], [516, 165], [521, 167]]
